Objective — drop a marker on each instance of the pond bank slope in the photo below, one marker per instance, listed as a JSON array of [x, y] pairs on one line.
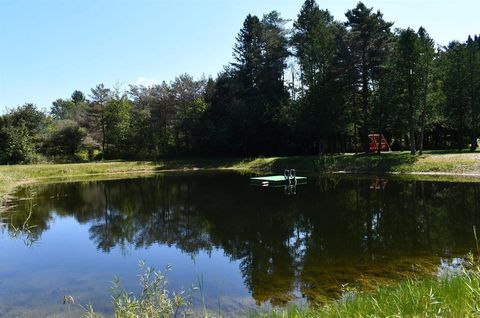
[[462, 164]]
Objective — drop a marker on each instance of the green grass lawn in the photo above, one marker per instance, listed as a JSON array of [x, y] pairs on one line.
[[394, 162]]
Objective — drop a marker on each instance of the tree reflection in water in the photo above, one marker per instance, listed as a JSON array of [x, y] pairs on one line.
[[335, 231]]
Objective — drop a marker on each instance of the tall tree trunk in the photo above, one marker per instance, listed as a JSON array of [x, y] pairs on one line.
[[471, 91], [422, 133], [473, 142], [412, 140], [424, 111], [412, 115], [364, 129], [104, 136], [474, 135]]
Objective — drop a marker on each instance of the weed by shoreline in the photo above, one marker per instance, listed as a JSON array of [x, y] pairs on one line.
[[453, 292]]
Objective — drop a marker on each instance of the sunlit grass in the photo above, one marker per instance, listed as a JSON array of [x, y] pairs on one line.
[[449, 296], [394, 162]]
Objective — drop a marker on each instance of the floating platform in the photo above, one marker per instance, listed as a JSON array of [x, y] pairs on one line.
[[289, 179], [278, 179]]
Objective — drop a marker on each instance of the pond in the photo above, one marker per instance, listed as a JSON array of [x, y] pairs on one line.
[[247, 246]]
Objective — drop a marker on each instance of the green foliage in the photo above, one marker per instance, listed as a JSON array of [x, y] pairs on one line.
[[64, 139], [369, 37], [72, 109], [27, 116], [426, 91], [348, 80], [78, 97], [83, 155], [17, 145], [456, 104], [314, 43], [408, 84], [118, 125], [322, 54], [154, 301], [96, 117], [62, 109], [19, 134], [257, 87]]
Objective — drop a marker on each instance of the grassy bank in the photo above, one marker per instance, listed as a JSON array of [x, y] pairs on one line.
[[396, 162], [16, 175], [456, 296]]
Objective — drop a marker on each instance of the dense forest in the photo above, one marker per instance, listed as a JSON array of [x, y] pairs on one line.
[[319, 86]]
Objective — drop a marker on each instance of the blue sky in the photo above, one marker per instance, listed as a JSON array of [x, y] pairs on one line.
[[49, 48]]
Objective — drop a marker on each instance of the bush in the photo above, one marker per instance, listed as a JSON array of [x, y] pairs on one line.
[[65, 139], [82, 155], [154, 301], [17, 144]]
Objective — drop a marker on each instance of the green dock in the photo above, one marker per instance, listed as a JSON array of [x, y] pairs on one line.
[[278, 181], [275, 179], [289, 179]]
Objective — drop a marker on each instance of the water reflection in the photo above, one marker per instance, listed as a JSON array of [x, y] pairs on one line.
[[335, 231]]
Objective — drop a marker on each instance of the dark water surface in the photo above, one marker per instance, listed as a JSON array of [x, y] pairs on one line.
[[250, 245]]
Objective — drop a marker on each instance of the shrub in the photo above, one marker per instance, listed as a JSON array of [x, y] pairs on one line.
[[154, 301]]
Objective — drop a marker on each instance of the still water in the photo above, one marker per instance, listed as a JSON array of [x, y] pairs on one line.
[[250, 246]]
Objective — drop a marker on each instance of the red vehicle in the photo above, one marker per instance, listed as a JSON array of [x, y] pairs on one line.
[[378, 141]]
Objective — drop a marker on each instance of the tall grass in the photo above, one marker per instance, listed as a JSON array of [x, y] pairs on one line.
[[154, 301], [450, 293], [453, 295]]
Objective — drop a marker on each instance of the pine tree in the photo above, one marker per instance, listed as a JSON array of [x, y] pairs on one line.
[[407, 56], [323, 58], [260, 59], [100, 96], [427, 54], [314, 42], [472, 51], [457, 108], [369, 36]]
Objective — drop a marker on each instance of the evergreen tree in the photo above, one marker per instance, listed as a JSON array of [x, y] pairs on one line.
[[314, 43], [424, 70], [369, 35], [100, 96], [472, 61], [457, 108], [323, 58], [260, 54], [78, 97], [407, 62]]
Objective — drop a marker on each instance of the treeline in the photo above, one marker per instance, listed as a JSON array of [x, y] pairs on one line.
[[321, 86]]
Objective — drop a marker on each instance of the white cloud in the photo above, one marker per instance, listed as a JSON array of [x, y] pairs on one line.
[[147, 81]]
